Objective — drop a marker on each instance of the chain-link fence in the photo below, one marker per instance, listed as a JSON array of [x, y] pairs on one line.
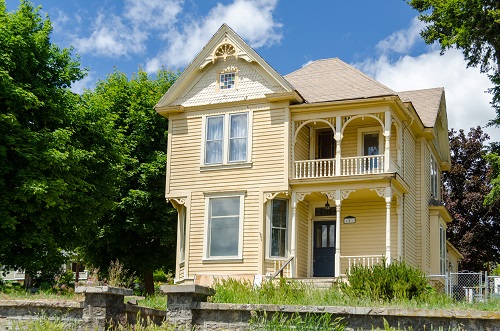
[[467, 286]]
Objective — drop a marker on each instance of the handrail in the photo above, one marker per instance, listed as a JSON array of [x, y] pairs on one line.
[[280, 270]]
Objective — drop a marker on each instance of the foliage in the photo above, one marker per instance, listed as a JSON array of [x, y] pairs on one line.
[[496, 270], [119, 276], [57, 161], [140, 230], [471, 26], [44, 324], [154, 301], [381, 282], [281, 321], [475, 229], [160, 276]]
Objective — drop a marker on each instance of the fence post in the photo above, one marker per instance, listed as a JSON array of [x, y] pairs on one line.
[[103, 306], [181, 300]]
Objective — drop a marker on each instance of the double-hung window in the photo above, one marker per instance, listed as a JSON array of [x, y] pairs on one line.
[[226, 139], [224, 226], [442, 249], [278, 227], [182, 234]]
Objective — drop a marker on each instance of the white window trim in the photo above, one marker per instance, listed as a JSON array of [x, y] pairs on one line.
[[182, 234], [225, 143], [372, 129], [269, 231], [442, 249], [226, 259]]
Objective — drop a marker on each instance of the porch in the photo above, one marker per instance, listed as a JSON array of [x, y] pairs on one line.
[[332, 231], [329, 147]]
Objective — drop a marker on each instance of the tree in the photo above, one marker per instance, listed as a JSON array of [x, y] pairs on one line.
[[140, 231], [469, 25], [475, 229], [57, 162]]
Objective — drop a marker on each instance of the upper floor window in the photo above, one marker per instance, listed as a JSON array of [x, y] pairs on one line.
[[434, 179], [226, 139], [227, 80]]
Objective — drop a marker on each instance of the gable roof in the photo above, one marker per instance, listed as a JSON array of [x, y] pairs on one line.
[[206, 55], [426, 102], [334, 80]]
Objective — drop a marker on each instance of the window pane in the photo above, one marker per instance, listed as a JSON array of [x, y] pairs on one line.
[[331, 239], [278, 243], [238, 137], [213, 152], [279, 213], [370, 144], [224, 234], [215, 128], [324, 236], [225, 206]]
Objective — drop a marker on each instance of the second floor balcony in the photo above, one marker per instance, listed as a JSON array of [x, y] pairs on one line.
[[357, 145]]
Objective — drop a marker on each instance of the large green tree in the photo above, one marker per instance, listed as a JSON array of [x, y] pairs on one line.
[[58, 161], [475, 229], [470, 25], [140, 230]]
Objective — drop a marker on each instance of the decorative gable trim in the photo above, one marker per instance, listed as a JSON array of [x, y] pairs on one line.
[[224, 44]]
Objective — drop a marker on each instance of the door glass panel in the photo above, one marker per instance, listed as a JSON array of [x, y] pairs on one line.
[[331, 237], [324, 236]]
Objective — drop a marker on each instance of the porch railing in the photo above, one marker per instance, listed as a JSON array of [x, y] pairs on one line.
[[360, 165], [315, 168], [362, 260]]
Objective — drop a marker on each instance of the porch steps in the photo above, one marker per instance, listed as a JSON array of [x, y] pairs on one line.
[[319, 282]]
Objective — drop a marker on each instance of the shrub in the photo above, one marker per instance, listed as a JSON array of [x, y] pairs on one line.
[[386, 282], [119, 276]]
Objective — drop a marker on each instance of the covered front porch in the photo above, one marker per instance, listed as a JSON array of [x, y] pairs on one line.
[[333, 230]]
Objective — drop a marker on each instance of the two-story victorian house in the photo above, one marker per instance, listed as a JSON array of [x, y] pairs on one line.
[[322, 168]]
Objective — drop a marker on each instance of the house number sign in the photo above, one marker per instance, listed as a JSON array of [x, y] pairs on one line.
[[349, 220]]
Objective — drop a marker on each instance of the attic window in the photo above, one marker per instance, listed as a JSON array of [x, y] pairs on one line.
[[227, 80], [224, 51]]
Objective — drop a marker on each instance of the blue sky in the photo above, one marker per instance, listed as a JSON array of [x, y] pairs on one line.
[[381, 38]]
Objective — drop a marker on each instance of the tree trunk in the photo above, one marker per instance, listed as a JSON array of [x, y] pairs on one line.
[[77, 273], [28, 280], [149, 282]]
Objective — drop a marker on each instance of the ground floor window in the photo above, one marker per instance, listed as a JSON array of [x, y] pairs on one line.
[[278, 222], [224, 226], [442, 250], [182, 233]]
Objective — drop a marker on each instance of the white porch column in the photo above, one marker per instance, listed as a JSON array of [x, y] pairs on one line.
[[388, 197], [387, 134], [338, 140], [293, 239], [338, 202], [400, 227]]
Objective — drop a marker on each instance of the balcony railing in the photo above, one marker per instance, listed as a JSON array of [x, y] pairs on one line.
[[315, 168], [358, 165]]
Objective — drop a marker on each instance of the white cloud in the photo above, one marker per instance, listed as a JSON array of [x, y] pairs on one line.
[[467, 103], [251, 19], [114, 35], [403, 40]]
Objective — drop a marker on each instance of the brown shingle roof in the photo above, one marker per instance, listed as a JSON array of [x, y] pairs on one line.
[[426, 103], [334, 80]]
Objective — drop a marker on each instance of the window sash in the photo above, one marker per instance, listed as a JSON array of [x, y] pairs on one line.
[[182, 235], [278, 225], [224, 227], [214, 139]]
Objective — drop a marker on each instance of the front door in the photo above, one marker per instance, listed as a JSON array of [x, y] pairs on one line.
[[324, 249]]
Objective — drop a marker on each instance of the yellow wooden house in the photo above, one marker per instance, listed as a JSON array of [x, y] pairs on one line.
[[323, 168]]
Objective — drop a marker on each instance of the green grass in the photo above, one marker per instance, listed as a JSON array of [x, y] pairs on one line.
[[154, 301], [286, 292]]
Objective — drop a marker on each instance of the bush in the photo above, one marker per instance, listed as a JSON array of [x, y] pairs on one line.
[[386, 282], [159, 276]]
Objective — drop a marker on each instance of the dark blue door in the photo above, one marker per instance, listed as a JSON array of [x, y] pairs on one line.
[[324, 249]]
